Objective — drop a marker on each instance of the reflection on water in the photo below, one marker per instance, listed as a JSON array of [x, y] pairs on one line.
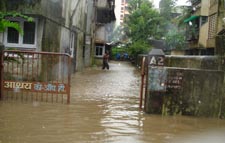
[[104, 108]]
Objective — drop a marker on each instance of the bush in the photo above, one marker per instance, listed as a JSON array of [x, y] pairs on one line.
[[138, 47]]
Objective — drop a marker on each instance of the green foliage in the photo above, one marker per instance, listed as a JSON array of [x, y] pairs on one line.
[[143, 22], [175, 39], [186, 14], [138, 47], [135, 5], [5, 23], [140, 25], [120, 50], [173, 26], [166, 8]]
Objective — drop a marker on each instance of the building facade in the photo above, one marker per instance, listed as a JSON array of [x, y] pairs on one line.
[[65, 26], [204, 25], [105, 21], [58, 26]]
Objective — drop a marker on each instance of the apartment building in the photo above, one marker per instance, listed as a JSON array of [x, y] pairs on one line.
[[58, 26], [206, 22], [77, 27], [104, 24], [123, 10]]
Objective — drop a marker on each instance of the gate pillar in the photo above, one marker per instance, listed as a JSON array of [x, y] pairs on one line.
[[1, 70], [155, 81]]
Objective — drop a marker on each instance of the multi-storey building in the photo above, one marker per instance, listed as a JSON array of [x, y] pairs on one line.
[[64, 26], [58, 26], [123, 10], [204, 25], [105, 20]]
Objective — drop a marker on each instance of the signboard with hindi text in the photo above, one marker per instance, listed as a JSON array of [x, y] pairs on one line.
[[42, 87]]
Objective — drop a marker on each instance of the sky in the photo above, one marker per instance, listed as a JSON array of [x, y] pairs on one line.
[[179, 2]]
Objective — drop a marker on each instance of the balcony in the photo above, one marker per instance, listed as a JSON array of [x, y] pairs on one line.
[[105, 15], [192, 30]]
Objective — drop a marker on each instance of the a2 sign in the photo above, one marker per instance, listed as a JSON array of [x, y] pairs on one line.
[[156, 60]]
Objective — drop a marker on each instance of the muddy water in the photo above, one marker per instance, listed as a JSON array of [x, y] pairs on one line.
[[104, 108]]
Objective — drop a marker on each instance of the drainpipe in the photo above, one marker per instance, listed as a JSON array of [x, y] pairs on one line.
[[1, 70]]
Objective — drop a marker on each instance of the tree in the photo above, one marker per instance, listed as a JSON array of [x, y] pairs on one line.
[[166, 8], [174, 27], [175, 39], [141, 24]]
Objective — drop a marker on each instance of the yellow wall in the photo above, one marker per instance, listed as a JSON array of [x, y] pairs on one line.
[[205, 4], [203, 35]]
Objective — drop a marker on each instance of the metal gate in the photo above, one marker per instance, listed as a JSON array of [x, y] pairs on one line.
[[36, 76]]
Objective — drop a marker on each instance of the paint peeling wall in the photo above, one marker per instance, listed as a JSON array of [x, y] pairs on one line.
[[194, 85], [57, 21]]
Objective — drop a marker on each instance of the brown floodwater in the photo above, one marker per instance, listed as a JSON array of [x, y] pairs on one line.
[[104, 109]]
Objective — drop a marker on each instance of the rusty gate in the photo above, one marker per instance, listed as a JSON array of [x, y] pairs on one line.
[[36, 76]]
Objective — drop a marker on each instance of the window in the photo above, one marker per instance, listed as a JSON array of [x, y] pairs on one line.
[[203, 20], [212, 26], [29, 33], [13, 36], [28, 40], [99, 50]]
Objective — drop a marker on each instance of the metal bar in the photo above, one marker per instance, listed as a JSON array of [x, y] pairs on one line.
[[31, 52], [35, 64], [8, 67], [12, 73], [69, 79], [142, 81], [17, 77], [46, 75], [52, 76], [1, 70]]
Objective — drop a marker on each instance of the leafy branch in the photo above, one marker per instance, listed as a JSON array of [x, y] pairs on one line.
[[6, 23]]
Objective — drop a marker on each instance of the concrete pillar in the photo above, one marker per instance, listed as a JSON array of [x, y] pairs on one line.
[[154, 88]]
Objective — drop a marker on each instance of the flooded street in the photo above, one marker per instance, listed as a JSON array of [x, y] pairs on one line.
[[104, 108]]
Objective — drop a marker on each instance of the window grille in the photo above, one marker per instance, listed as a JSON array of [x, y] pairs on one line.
[[13, 36], [99, 51], [212, 26], [25, 40], [29, 33]]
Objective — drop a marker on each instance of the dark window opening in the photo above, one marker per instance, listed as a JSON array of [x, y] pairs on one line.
[[13, 36], [204, 19], [99, 51], [29, 33]]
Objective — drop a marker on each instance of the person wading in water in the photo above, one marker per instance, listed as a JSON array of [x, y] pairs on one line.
[[105, 60]]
